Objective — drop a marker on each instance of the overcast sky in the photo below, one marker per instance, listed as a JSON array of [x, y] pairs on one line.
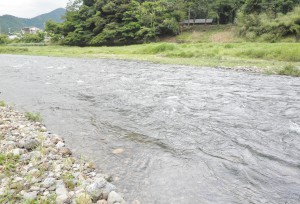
[[29, 8]]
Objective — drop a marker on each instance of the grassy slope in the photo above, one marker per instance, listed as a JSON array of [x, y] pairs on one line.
[[214, 47]]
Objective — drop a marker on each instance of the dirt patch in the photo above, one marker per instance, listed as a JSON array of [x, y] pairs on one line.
[[226, 36]]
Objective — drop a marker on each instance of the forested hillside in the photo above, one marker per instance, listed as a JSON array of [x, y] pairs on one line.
[[117, 22], [15, 24]]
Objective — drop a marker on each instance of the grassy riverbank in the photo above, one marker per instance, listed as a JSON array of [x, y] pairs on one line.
[[273, 58]]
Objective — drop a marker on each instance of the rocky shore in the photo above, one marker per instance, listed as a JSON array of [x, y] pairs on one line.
[[36, 167]]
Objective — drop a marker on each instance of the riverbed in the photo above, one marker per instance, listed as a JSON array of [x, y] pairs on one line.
[[167, 133]]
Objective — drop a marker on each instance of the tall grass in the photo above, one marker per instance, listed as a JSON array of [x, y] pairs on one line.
[[12, 50], [289, 70]]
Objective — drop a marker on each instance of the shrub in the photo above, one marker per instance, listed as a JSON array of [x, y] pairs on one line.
[[32, 38], [3, 39], [269, 37], [269, 28]]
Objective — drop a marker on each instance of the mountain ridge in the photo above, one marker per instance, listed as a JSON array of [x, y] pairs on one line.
[[15, 24]]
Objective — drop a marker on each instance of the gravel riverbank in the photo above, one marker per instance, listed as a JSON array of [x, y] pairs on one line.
[[36, 167]]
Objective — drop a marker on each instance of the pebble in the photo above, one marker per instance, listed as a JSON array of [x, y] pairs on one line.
[[118, 151], [96, 188]]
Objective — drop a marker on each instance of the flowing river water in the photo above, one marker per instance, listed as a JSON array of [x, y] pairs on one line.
[[182, 134]]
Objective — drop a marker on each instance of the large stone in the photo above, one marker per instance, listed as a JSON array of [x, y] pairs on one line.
[[17, 151], [31, 144], [30, 196], [107, 189], [62, 193], [102, 201], [84, 198], [63, 199], [114, 198], [65, 151], [55, 139], [96, 189], [60, 144], [48, 182], [25, 157]]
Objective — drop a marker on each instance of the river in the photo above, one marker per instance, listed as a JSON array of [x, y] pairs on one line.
[[169, 134]]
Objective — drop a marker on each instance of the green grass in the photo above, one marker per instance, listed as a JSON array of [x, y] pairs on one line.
[[263, 57], [35, 117], [68, 180], [8, 163], [2, 104]]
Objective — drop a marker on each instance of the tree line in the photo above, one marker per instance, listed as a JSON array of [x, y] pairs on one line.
[[119, 22]]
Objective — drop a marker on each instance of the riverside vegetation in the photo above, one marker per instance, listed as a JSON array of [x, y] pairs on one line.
[[36, 167], [270, 58], [263, 36]]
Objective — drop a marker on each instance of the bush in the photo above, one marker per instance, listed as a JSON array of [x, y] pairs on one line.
[[3, 39], [32, 38], [269, 37], [250, 36], [268, 28]]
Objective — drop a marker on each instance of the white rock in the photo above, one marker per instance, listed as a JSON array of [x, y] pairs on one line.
[[60, 144], [34, 188], [17, 152], [114, 197], [17, 179], [30, 196], [48, 182], [61, 189], [46, 193], [62, 199]]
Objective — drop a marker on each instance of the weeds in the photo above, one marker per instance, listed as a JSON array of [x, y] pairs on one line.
[[289, 70], [35, 117], [69, 181], [49, 200], [8, 163], [9, 197]]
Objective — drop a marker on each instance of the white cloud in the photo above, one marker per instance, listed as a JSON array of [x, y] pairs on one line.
[[30, 8]]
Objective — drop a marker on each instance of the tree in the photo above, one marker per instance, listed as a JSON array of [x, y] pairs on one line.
[[115, 22]]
